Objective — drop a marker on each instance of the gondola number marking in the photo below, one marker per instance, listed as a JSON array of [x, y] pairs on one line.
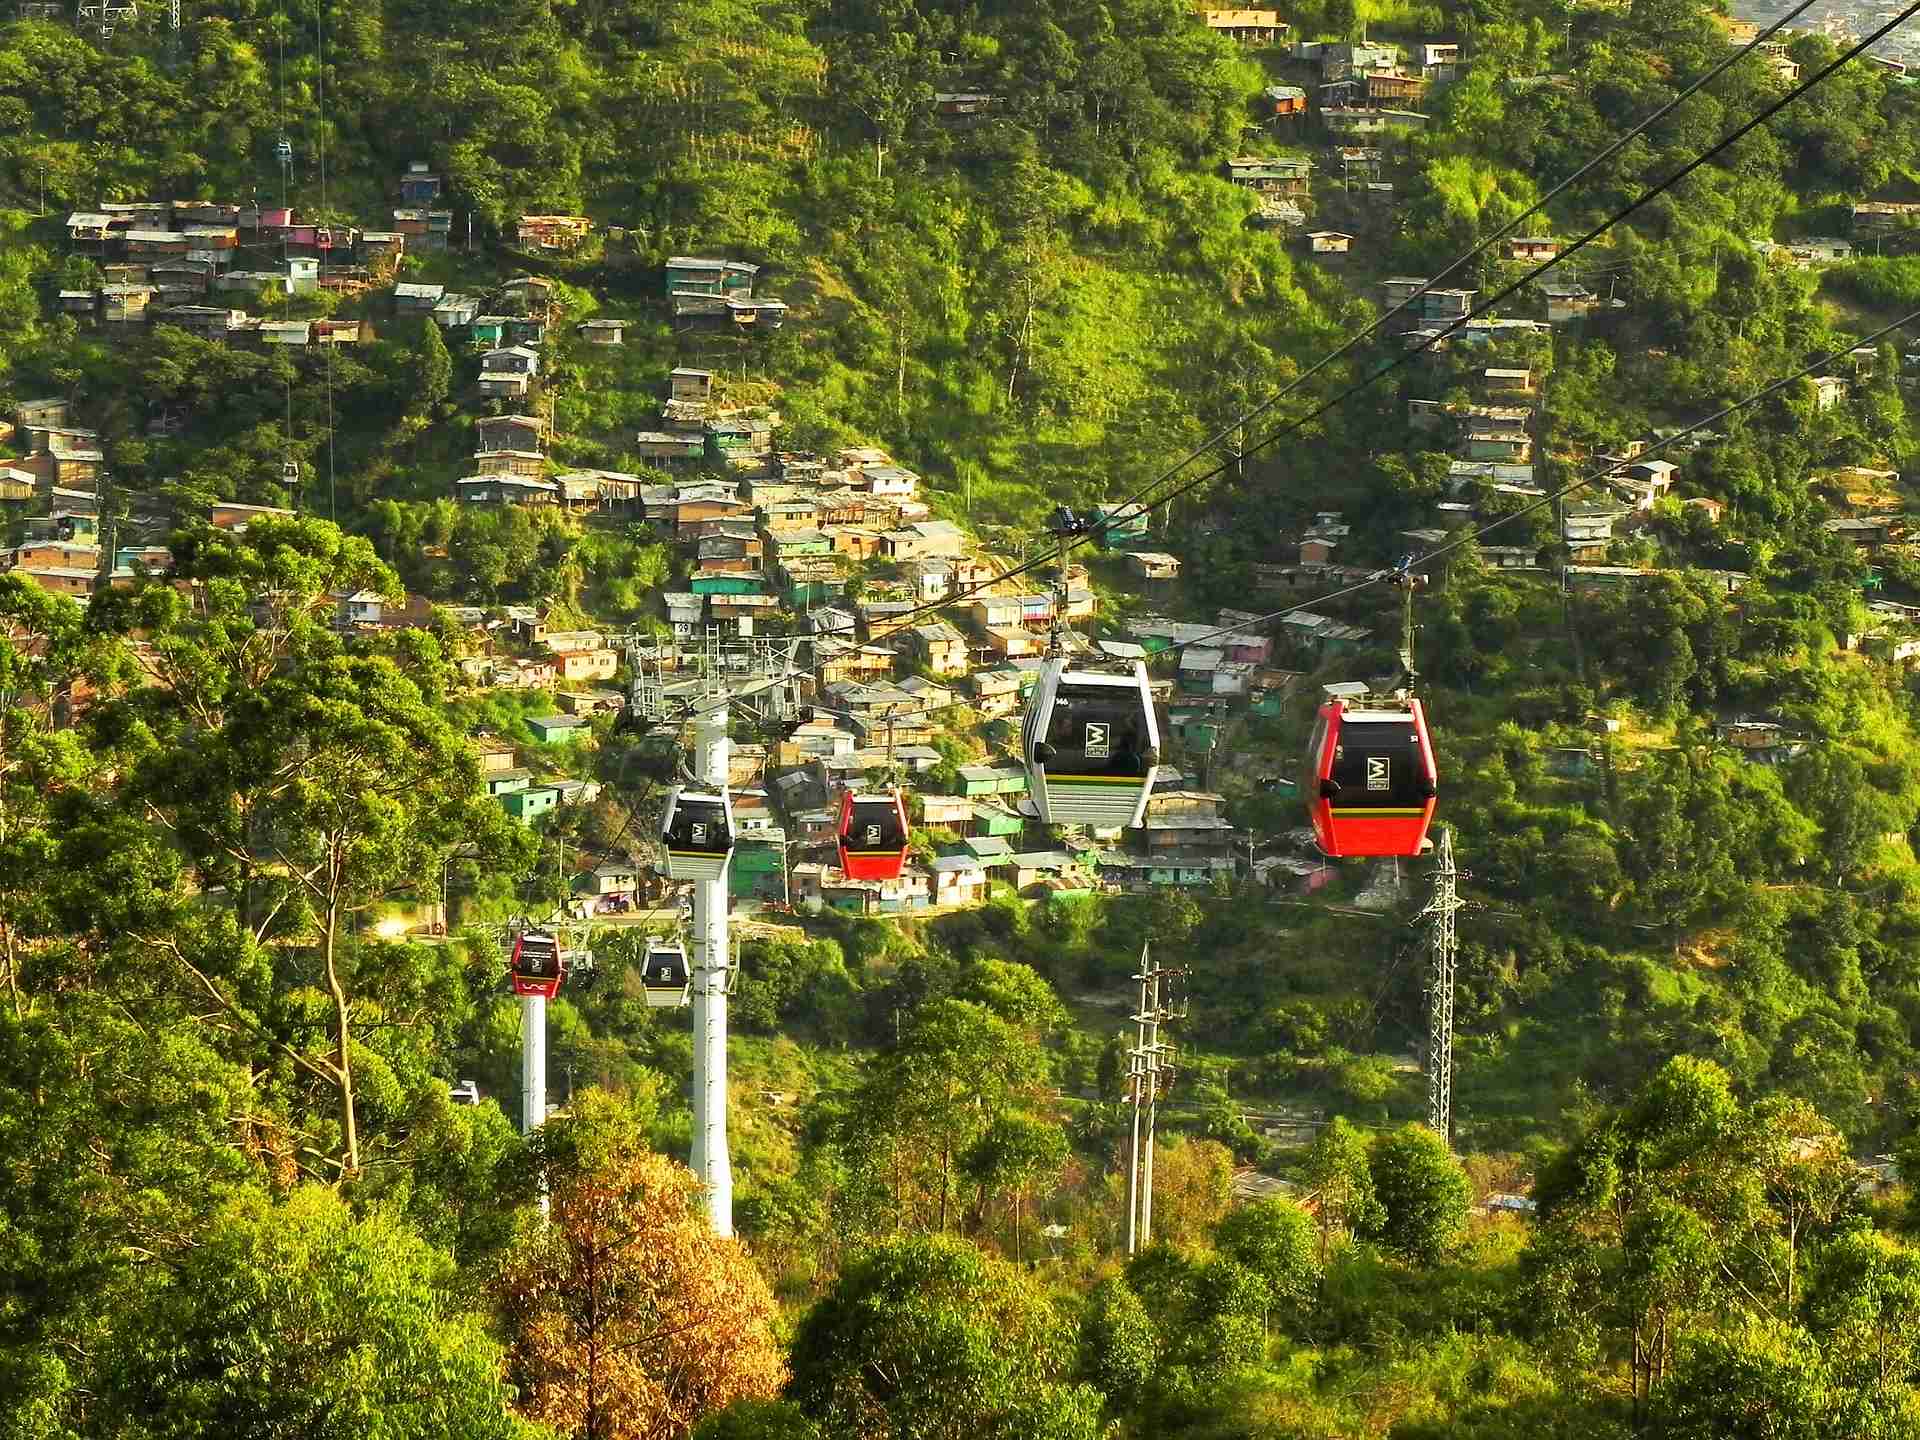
[[1379, 773], [1099, 740]]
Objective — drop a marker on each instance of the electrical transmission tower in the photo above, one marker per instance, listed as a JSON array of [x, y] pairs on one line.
[[1149, 1076], [700, 682], [1441, 946]]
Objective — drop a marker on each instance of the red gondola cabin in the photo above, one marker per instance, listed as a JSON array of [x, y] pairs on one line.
[[873, 835], [538, 967], [1370, 780]]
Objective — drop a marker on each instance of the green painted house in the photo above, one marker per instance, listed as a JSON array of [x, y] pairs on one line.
[[993, 820], [978, 780], [559, 729], [759, 868], [727, 583], [524, 805]]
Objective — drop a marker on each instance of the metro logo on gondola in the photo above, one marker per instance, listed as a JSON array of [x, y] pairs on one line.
[[1099, 743], [1379, 773]]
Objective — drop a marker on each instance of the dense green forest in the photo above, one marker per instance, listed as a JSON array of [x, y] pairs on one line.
[[235, 1196]]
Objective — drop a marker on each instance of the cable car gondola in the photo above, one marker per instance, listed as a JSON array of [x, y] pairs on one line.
[[665, 977], [1091, 744], [698, 831], [538, 965], [1370, 779], [873, 835]]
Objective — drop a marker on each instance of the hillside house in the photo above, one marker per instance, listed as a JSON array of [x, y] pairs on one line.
[[455, 311], [1285, 175], [735, 438], [1284, 100], [419, 185], [667, 448], [424, 229], [1328, 242], [411, 298], [1864, 532], [693, 275], [1347, 120], [1258, 28], [940, 647], [958, 880], [603, 331], [580, 667], [511, 432], [1153, 565], [1499, 440], [1439, 59], [1567, 300], [1507, 382], [998, 693], [1587, 529], [511, 360], [962, 107], [1644, 481], [557, 234], [1339, 59], [693, 386], [938, 538], [505, 490], [890, 480], [1828, 391], [74, 582], [229, 515]]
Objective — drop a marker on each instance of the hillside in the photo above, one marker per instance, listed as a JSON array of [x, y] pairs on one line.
[[384, 383]]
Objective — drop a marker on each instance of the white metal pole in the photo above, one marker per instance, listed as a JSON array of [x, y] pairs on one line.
[[711, 1161], [533, 1069]]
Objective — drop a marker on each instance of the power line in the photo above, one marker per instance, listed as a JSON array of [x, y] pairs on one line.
[[1646, 197], [1471, 534], [1469, 256]]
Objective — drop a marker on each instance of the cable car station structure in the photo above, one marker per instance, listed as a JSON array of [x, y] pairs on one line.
[[673, 686]]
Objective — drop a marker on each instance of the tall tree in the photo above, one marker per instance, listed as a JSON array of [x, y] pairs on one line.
[[300, 1319], [628, 1315], [927, 1339]]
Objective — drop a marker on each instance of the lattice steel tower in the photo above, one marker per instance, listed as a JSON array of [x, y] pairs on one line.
[[1441, 946]]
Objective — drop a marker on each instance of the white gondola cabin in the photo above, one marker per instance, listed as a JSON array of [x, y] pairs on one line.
[[698, 833], [1091, 745], [538, 965], [873, 835], [665, 977]]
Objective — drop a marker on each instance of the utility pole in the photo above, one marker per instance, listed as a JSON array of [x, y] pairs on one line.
[[1149, 1073], [1441, 949]]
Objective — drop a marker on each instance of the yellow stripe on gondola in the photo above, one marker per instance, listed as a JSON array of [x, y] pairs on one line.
[[700, 854], [873, 854], [1364, 811], [1134, 780]]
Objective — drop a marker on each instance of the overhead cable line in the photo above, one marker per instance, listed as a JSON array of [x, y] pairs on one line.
[[1467, 257], [1467, 536], [1638, 203], [1142, 505]]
